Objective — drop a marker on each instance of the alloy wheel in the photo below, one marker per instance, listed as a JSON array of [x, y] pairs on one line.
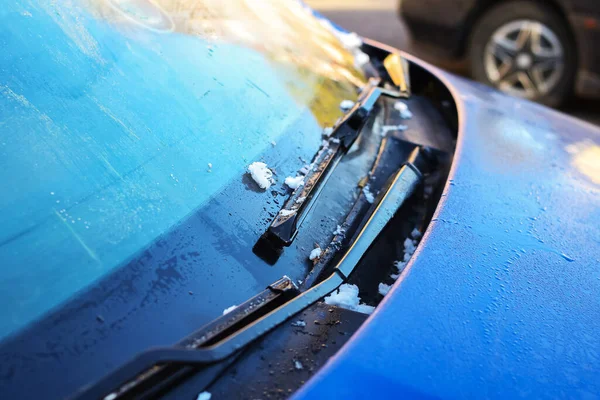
[[524, 58]]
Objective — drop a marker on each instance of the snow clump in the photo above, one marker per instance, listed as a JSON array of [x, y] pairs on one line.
[[405, 113], [294, 183], [229, 309], [384, 289], [368, 195], [315, 254], [262, 175], [346, 296], [345, 105]]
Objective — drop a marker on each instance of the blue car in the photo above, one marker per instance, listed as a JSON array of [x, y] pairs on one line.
[[207, 199]]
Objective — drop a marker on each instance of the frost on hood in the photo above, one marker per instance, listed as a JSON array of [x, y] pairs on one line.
[[315, 254], [405, 113], [229, 309], [346, 296], [368, 195], [204, 396], [345, 105], [261, 174], [294, 183]]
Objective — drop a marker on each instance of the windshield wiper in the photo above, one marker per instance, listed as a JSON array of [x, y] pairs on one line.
[[228, 334], [284, 227]]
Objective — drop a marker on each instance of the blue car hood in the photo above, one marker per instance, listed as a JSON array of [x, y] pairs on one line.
[[501, 299]]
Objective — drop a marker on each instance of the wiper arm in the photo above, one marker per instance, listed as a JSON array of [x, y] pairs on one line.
[[228, 334], [284, 227]]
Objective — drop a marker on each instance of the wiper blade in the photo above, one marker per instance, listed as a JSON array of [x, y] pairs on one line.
[[284, 228], [224, 337]]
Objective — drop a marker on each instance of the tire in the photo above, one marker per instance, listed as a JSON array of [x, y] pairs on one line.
[[501, 19]]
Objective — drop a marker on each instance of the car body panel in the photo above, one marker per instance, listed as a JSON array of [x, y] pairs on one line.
[[501, 297]]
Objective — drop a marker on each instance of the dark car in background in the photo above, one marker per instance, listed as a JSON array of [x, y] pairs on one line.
[[541, 50]]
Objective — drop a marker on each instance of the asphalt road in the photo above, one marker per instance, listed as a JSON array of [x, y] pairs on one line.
[[378, 19]]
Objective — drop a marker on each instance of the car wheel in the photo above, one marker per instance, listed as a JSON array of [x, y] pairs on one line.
[[524, 49]]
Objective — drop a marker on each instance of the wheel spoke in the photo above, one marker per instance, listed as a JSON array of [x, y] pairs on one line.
[[535, 38], [509, 82], [504, 48], [536, 76], [505, 68], [524, 36], [527, 83]]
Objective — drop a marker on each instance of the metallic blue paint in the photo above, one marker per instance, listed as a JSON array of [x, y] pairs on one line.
[[502, 298]]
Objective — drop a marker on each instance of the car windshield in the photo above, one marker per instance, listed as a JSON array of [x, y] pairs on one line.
[[119, 118]]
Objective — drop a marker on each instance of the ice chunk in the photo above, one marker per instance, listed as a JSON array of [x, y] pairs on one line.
[[400, 265], [327, 131], [360, 58], [229, 309], [305, 169], [409, 246], [346, 296], [416, 234], [273, 143], [387, 128], [285, 213], [405, 113], [368, 195], [349, 40], [298, 364], [315, 254], [300, 200], [294, 183], [384, 289], [204, 396], [261, 174], [345, 105], [299, 323], [339, 231]]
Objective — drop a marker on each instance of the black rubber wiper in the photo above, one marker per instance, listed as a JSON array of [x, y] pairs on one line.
[[284, 228], [228, 334]]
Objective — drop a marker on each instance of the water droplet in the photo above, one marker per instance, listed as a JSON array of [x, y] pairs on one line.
[[566, 257]]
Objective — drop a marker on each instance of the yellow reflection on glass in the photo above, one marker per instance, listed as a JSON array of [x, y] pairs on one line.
[[302, 49]]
